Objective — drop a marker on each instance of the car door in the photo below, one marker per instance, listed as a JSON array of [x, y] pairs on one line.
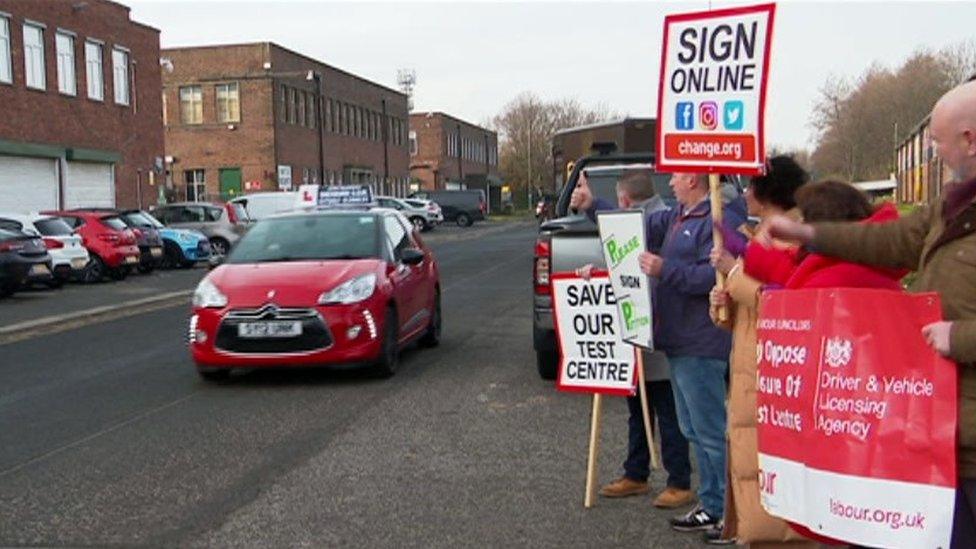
[[407, 280]]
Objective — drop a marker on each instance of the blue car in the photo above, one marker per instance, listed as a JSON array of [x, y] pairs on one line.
[[182, 248]]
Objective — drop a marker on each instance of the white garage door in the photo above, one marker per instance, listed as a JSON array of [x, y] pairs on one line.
[[89, 185], [28, 184]]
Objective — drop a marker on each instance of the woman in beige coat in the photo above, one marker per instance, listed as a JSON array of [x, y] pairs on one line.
[[746, 521]]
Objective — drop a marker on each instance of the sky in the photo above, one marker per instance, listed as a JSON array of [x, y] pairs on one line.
[[472, 58]]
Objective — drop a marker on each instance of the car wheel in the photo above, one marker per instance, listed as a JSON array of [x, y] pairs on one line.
[[219, 246], [548, 364], [146, 268], [214, 376], [118, 273], [95, 271], [432, 337], [390, 354], [172, 256], [464, 220], [419, 223]]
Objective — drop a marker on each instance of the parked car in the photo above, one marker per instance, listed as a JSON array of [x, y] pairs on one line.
[[435, 216], [222, 224], [68, 256], [110, 242], [462, 207], [23, 260], [419, 216], [316, 289], [147, 238], [262, 205], [182, 248]]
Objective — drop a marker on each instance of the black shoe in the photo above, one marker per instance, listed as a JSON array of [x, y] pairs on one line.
[[713, 536], [696, 519]]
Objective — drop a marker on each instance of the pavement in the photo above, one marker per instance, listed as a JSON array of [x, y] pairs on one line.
[[110, 438]]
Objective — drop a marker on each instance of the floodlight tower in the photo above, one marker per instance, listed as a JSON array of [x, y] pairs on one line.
[[407, 79]]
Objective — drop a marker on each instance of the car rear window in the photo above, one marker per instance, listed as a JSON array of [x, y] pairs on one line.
[[214, 214], [10, 235], [11, 225], [308, 237], [115, 223], [54, 226], [603, 183]]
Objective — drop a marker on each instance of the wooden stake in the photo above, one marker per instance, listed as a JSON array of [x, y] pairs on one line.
[[715, 192], [648, 428], [590, 496]]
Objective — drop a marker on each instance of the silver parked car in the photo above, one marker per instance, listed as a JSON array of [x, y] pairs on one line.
[[223, 225], [419, 216]]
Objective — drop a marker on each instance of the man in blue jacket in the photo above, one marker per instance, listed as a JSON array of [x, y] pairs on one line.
[[697, 350]]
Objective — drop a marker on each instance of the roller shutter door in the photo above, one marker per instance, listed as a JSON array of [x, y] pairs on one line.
[[28, 184], [89, 185]]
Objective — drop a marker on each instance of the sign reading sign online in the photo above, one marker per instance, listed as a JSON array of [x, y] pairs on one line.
[[594, 357]]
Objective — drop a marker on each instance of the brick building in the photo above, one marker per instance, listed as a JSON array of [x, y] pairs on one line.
[[449, 153], [80, 110], [570, 144], [259, 117]]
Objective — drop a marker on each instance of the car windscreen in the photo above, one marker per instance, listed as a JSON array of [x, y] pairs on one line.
[[115, 223], [53, 226], [308, 237], [603, 184], [143, 219]]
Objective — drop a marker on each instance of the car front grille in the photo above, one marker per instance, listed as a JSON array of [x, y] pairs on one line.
[[315, 334]]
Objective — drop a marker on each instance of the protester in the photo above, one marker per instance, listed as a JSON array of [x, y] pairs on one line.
[[636, 190], [939, 240], [697, 350], [745, 520]]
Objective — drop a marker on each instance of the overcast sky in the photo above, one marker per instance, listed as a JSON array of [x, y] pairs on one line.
[[472, 58]]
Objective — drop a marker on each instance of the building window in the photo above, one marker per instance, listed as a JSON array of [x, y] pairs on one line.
[[292, 105], [228, 103], [300, 108], [66, 63], [329, 123], [343, 118], [6, 68], [413, 143], [120, 75], [34, 56], [165, 114], [283, 107], [93, 71], [356, 127], [196, 187], [191, 105], [312, 119]]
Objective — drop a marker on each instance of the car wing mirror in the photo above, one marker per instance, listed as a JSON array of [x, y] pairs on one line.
[[412, 256]]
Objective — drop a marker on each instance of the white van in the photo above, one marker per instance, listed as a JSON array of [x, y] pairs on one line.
[[261, 205]]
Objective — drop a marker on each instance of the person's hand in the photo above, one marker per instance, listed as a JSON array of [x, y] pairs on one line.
[[585, 272], [718, 297], [582, 197], [937, 335], [722, 260], [784, 228], [650, 264]]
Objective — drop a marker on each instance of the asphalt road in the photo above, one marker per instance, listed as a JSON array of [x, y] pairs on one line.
[[107, 437]]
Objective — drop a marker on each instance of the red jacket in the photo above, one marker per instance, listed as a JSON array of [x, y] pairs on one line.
[[793, 268]]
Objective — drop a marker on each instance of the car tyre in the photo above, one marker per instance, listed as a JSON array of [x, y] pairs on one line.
[[215, 375], [389, 359], [95, 271], [118, 273], [172, 256], [548, 364], [219, 246], [464, 220], [432, 337], [146, 268], [419, 223]]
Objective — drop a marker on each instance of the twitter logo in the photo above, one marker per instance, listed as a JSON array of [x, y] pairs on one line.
[[733, 115]]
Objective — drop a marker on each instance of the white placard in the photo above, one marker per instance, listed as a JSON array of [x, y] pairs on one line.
[[623, 238]]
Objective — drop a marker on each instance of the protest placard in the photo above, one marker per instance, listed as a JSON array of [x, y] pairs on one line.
[[623, 238], [857, 416]]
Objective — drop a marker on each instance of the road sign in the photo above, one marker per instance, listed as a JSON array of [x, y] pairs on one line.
[[284, 177], [712, 90]]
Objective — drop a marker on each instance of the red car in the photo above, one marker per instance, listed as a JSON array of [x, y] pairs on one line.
[[317, 289], [110, 242]]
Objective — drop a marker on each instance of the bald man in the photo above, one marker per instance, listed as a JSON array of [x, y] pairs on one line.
[[939, 240]]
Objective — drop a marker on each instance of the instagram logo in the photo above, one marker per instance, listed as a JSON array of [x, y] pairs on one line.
[[708, 115]]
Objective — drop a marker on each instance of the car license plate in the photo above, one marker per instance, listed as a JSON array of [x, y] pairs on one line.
[[78, 264], [269, 329], [131, 259], [39, 270], [156, 252]]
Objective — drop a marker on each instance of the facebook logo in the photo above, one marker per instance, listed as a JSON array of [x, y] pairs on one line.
[[684, 115]]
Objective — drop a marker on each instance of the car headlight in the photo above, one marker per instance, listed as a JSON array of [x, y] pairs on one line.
[[351, 291], [207, 295]]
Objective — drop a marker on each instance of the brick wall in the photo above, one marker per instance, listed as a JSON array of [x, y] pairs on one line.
[[434, 164]]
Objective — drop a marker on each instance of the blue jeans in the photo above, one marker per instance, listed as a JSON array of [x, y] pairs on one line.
[[674, 446], [699, 395]]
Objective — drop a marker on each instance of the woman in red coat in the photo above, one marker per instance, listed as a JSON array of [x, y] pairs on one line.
[[794, 268]]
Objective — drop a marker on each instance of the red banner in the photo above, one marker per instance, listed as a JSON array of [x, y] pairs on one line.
[[857, 416]]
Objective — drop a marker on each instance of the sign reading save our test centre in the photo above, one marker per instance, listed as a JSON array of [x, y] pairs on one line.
[[622, 237], [712, 90], [594, 358]]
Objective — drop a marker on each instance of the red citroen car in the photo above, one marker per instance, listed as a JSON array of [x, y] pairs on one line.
[[110, 242], [317, 289]]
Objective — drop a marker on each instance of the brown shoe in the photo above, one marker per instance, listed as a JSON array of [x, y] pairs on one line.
[[623, 487], [673, 497]]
